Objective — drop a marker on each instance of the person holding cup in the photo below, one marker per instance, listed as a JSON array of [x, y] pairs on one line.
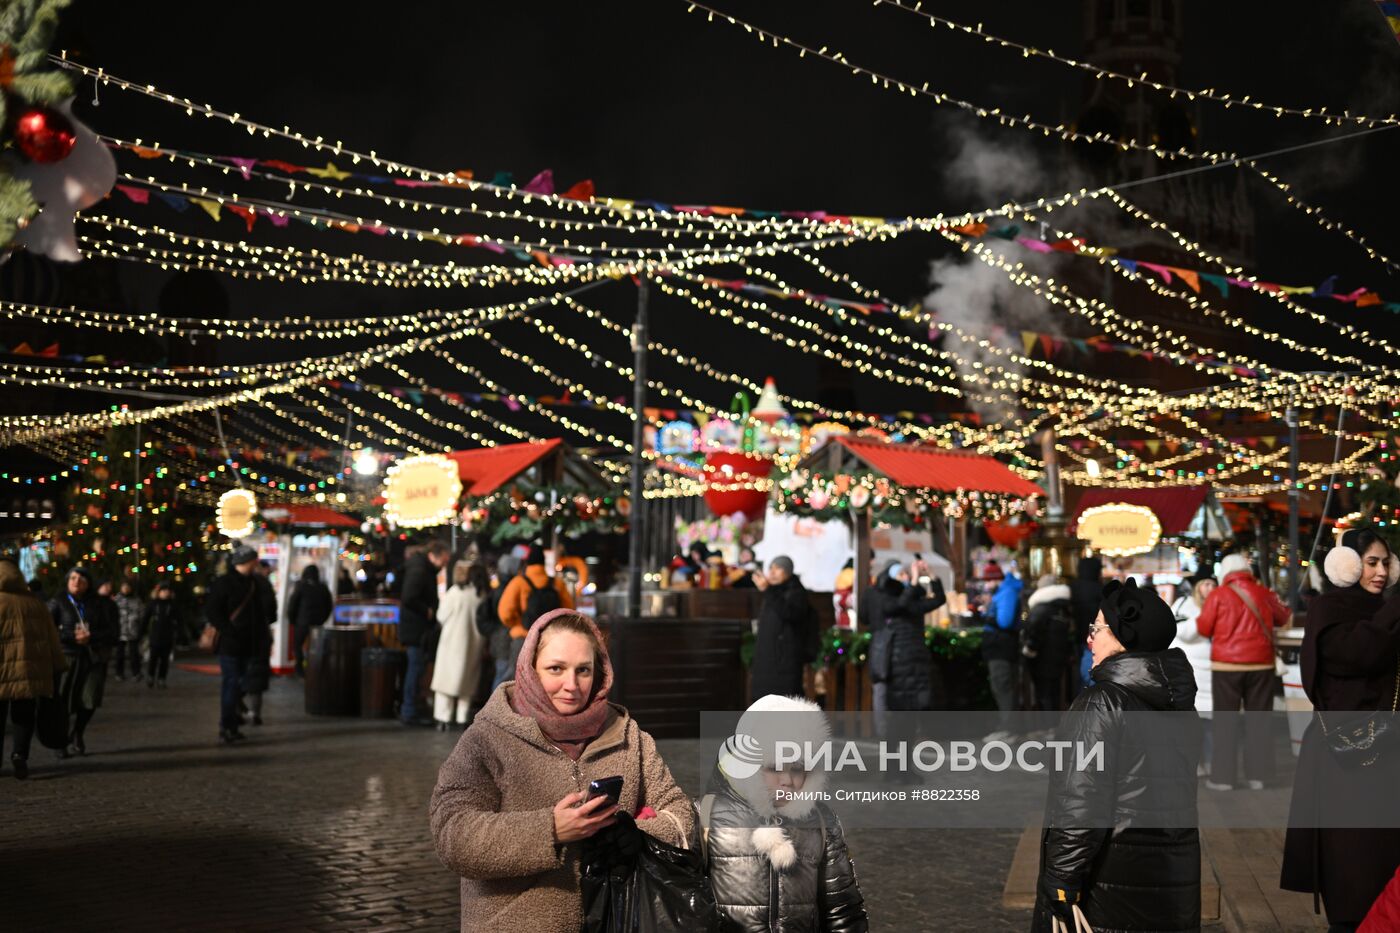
[[86, 632]]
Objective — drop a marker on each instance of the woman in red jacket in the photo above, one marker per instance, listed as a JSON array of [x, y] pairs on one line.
[[1239, 618]]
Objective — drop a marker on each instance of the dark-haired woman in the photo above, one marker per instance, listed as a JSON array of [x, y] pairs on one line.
[[508, 813], [1350, 649]]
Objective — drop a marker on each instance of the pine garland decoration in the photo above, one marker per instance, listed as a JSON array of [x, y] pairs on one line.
[[26, 80]]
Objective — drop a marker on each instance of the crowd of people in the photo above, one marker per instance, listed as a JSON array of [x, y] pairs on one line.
[[516, 815]]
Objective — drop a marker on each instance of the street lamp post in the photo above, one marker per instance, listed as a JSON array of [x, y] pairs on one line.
[[637, 530]]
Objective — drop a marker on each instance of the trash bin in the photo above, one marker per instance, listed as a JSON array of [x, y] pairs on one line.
[[381, 681], [333, 670]]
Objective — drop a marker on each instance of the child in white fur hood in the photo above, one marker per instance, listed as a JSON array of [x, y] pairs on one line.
[[777, 863]]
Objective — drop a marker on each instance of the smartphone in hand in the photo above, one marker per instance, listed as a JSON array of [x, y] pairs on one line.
[[610, 787]]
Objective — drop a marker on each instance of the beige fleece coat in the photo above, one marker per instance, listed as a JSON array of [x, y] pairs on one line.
[[492, 814]]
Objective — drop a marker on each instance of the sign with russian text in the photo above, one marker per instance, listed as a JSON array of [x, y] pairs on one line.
[[1120, 529], [422, 491]]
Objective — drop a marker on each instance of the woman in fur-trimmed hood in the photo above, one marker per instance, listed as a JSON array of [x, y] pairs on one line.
[[778, 864]]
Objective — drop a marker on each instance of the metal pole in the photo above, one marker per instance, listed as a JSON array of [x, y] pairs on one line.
[[639, 401], [136, 513], [1294, 567]]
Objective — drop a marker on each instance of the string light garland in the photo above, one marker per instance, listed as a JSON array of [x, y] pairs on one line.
[[1200, 252], [884, 81], [1208, 309], [1142, 80]]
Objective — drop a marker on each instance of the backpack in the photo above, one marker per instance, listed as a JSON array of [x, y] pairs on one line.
[[542, 599]]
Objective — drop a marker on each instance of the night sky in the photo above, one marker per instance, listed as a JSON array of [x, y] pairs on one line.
[[652, 102]]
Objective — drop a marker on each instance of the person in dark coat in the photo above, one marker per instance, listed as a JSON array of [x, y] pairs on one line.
[[237, 608], [161, 625], [782, 647], [1121, 842], [1048, 641], [87, 630], [417, 620], [308, 607], [1350, 645], [893, 612], [1086, 592]]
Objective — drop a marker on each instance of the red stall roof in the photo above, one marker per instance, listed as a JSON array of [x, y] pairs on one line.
[[1174, 506], [310, 515], [942, 470], [486, 469]]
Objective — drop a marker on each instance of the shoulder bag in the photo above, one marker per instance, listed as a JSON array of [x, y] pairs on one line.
[[1359, 740], [209, 638], [1279, 667]]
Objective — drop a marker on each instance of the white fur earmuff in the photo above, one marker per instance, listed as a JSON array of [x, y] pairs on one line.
[[773, 843], [1343, 566]]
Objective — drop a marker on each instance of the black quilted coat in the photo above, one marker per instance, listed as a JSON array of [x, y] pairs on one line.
[[895, 614], [1126, 836]]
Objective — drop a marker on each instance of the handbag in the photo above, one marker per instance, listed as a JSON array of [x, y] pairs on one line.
[[665, 891], [51, 718], [1280, 668], [209, 638], [1359, 741]]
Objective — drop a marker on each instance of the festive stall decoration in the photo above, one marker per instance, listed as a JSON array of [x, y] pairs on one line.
[[422, 491], [30, 89], [237, 513], [1120, 529]]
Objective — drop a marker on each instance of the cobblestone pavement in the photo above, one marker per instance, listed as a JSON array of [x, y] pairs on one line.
[[321, 824]]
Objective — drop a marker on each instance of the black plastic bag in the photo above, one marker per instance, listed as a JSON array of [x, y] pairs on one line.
[[51, 718], [665, 891]]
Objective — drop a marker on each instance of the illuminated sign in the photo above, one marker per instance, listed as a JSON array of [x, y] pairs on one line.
[[422, 491], [1120, 529], [237, 509]]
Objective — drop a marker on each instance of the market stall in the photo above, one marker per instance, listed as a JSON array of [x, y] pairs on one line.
[[1163, 533], [296, 537]]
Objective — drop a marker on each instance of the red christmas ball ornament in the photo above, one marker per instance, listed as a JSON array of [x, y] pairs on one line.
[[44, 135]]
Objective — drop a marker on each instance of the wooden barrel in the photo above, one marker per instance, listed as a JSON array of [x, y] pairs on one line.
[[333, 670], [381, 681]]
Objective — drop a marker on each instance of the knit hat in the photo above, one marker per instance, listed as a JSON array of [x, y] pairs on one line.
[[783, 563], [992, 571], [891, 570], [507, 566], [1137, 616], [81, 571], [242, 555], [1233, 563], [536, 556]]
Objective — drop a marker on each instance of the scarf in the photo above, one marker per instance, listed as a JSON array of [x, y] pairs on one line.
[[573, 731]]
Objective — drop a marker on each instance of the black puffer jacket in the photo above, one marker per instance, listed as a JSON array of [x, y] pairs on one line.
[[1126, 836], [895, 612]]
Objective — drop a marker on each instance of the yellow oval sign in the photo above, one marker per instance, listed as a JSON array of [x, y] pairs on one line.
[[422, 491], [1120, 529], [237, 508]]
